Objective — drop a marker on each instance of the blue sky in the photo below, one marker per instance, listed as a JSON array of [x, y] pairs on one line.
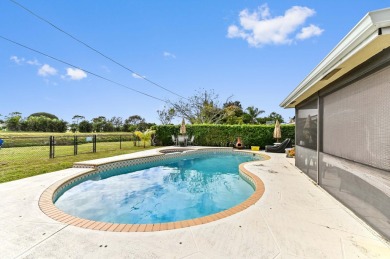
[[255, 51]]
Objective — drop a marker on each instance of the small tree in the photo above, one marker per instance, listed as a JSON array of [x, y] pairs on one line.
[[76, 118], [253, 114], [136, 122], [276, 116], [273, 116], [166, 115], [85, 126], [233, 112], [108, 127], [117, 123], [98, 123], [203, 107], [73, 127], [145, 136], [75, 124], [13, 121]]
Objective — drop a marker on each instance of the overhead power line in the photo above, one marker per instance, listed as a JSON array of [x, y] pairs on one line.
[[95, 50], [89, 72]]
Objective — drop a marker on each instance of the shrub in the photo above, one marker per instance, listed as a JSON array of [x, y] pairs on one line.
[[85, 126], [224, 135]]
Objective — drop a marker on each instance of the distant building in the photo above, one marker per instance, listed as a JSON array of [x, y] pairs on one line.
[[343, 121]]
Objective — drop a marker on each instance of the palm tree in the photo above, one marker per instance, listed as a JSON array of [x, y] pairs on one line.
[[77, 118], [145, 136], [253, 114]]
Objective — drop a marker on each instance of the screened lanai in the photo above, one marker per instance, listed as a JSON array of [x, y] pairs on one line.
[[343, 121]]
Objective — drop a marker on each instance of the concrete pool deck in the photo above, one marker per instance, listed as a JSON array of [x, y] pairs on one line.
[[294, 219]]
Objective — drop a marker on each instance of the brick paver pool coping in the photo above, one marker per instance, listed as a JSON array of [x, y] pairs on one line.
[[47, 206]]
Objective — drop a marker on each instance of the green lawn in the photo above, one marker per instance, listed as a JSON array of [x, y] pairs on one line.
[[20, 162]]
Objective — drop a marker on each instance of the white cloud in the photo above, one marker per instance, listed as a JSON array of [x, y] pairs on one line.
[[17, 60], [47, 70], [137, 76], [33, 62], [264, 11], [75, 73], [310, 31], [169, 55], [235, 32], [21, 61], [260, 28]]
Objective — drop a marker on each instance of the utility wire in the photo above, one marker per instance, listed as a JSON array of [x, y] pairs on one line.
[[93, 49], [89, 72]]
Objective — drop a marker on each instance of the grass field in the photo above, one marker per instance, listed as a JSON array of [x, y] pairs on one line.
[[20, 162]]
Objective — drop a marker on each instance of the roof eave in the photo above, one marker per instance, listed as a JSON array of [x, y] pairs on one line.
[[360, 37]]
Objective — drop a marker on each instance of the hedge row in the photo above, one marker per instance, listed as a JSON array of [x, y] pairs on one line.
[[224, 135]]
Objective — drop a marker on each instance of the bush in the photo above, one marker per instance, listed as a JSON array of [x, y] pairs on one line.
[[43, 124], [224, 135], [85, 126]]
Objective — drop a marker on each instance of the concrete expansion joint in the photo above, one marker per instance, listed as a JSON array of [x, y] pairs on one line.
[[42, 241], [271, 232], [194, 240]]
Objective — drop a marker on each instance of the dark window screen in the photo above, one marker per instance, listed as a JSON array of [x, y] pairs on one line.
[[306, 125], [356, 121]]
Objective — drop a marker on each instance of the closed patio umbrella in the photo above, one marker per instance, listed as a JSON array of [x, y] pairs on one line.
[[277, 131], [183, 129]]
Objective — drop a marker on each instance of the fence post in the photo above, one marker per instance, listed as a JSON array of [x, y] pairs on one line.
[[54, 147], [94, 144], [50, 147], [120, 142], [75, 145], [51, 143]]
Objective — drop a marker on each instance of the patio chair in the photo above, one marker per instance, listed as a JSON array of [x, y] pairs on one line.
[[190, 141], [182, 139], [174, 139], [280, 148], [1, 143]]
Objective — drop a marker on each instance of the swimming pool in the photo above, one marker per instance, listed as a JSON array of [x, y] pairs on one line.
[[156, 192]]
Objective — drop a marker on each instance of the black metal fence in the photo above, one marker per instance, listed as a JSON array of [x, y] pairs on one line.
[[60, 146], [16, 148]]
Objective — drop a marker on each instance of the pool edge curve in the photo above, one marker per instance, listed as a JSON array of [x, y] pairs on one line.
[[47, 206]]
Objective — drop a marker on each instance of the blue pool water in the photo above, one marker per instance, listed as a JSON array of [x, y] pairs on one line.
[[174, 190]]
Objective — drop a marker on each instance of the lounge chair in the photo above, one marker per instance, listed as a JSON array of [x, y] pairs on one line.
[[190, 141], [174, 139], [280, 148]]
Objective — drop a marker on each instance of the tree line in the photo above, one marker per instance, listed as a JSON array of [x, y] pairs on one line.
[[115, 124], [204, 107], [46, 122]]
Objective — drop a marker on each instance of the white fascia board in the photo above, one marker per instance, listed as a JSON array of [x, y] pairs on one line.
[[359, 37]]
